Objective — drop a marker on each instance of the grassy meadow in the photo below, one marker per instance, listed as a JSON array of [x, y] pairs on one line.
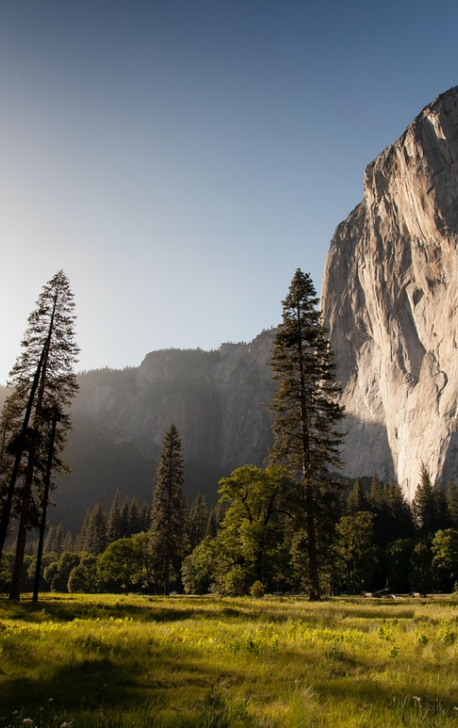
[[117, 662]]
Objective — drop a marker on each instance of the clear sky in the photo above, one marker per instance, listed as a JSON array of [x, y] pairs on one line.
[[179, 159]]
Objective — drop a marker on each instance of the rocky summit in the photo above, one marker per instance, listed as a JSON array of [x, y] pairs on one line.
[[390, 300]]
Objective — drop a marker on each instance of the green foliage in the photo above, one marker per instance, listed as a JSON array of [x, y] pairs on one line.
[[444, 547], [249, 545], [399, 554], [58, 571], [421, 570], [6, 564], [257, 590], [127, 563], [355, 552], [198, 568], [83, 578]]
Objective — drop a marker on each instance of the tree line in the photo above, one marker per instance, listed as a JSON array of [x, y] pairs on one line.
[[292, 525], [249, 543]]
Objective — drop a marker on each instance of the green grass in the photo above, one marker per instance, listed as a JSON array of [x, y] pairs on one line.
[[125, 662]]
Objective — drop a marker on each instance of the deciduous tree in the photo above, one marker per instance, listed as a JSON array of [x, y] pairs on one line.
[[251, 536]]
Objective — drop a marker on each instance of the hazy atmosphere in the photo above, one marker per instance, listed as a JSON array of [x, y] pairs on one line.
[[179, 160]]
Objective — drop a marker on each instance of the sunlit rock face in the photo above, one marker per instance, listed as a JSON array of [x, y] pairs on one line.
[[390, 299]]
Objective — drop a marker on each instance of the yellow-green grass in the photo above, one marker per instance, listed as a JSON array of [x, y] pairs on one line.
[[133, 661]]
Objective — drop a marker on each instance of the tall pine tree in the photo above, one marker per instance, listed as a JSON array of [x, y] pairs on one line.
[[305, 407], [167, 533], [34, 423]]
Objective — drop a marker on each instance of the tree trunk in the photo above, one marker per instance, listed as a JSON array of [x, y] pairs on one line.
[[20, 451], [47, 485], [16, 581], [315, 590], [38, 379]]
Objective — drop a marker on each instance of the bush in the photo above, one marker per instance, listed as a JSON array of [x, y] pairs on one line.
[[257, 590]]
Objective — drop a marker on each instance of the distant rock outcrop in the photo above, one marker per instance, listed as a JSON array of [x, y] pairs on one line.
[[390, 301], [216, 400]]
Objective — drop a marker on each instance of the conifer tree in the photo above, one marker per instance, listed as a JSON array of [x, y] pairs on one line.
[[125, 518], [93, 536], [429, 506], [167, 533], [305, 407], [43, 384], [54, 541], [402, 525], [451, 496], [215, 518], [135, 520], [198, 519], [115, 528], [357, 500]]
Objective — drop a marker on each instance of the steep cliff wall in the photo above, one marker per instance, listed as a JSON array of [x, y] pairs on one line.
[[216, 399], [390, 299]]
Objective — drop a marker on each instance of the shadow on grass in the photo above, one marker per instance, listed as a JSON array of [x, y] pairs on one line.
[[100, 684], [68, 609]]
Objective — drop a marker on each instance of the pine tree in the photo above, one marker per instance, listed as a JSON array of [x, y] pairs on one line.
[[135, 521], [167, 542], [305, 407], [144, 517], [402, 525], [125, 518], [429, 506], [451, 495], [115, 528], [198, 519], [54, 541], [93, 536], [215, 518], [357, 500], [34, 425]]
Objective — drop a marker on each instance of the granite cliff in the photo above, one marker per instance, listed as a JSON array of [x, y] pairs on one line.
[[390, 299]]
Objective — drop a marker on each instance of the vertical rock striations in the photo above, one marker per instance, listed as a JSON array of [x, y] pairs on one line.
[[390, 299]]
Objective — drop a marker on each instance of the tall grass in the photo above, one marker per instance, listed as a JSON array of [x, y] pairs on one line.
[[118, 662]]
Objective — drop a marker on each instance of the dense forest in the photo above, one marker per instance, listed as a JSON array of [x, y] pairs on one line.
[[247, 542], [290, 526]]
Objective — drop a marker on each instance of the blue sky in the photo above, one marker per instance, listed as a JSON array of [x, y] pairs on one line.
[[179, 159]]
